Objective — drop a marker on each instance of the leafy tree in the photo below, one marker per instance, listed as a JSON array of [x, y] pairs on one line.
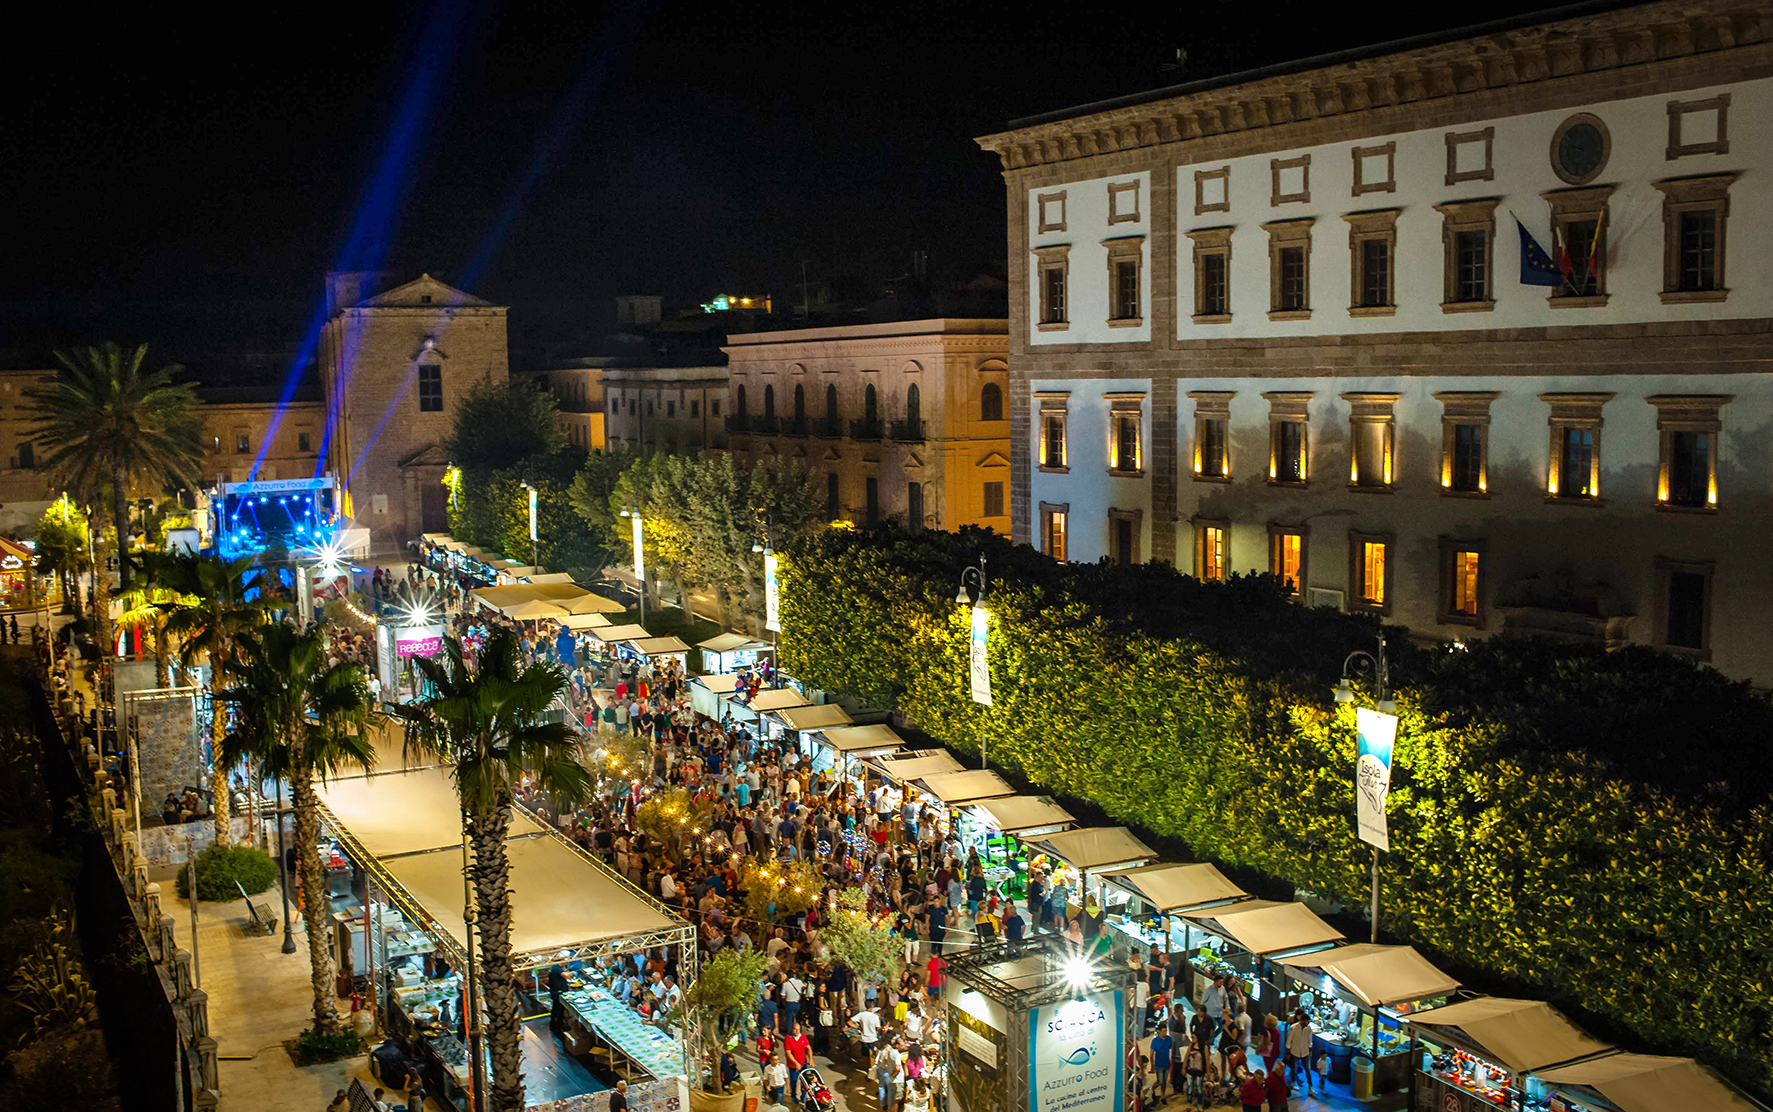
[[487, 724], [719, 1000], [62, 540], [500, 425], [106, 421], [305, 721], [670, 816], [776, 890], [869, 949]]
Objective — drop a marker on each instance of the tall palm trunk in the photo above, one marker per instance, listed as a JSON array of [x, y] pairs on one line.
[[162, 655], [316, 900], [101, 604], [218, 775], [491, 872], [120, 519]]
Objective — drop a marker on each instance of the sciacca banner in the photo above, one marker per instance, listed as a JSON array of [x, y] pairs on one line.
[[981, 670], [1075, 1058], [772, 599], [1373, 735]]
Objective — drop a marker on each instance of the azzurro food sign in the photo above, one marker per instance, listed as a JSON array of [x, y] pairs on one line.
[[1075, 1058]]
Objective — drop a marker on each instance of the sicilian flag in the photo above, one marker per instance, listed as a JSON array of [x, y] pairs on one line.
[[1537, 268]]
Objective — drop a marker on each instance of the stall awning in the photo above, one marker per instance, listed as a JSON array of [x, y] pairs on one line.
[[502, 564], [813, 718], [577, 622], [917, 764], [518, 570], [550, 577], [1170, 887], [1266, 927], [874, 738], [732, 642], [1096, 847], [405, 812], [436, 538], [1521, 1034], [501, 597], [660, 646], [777, 699], [573, 599], [1018, 814], [613, 634], [1378, 975], [1645, 1083], [533, 610], [956, 788]]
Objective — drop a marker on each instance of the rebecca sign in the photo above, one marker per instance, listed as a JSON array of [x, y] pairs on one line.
[[1373, 736], [1075, 1060], [980, 669], [772, 598]]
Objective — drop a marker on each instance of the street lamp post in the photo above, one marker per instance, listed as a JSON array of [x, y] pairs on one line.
[[1384, 705], [633, 512], [977, 665]]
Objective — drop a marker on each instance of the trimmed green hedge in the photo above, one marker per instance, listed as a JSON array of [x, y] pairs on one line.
[[1560, 816], [219, 870]]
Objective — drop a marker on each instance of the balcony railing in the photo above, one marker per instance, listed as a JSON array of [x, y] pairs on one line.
[[738, 422], [828, 428], [766, 425], [794, 426], [909, 429], [865, 429]]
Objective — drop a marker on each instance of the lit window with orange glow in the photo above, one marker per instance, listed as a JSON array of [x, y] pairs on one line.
[[1369, 571], [1287, 447], [1286, 556], [1126, 448], [1689, 428], [1210, 549]]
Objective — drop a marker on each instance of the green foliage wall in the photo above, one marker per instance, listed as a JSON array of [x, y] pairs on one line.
[[1557, 815]]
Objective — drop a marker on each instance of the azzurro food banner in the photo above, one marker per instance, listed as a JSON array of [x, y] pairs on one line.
[[772, 595], [1075, 1058], [977, 666], [1373, 734]]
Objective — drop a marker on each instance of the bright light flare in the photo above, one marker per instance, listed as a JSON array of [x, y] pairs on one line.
[[1079, 971]]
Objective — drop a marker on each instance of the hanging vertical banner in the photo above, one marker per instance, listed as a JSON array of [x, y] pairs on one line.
[[772, 618], [1075, 1057], [532, 521], [639, 555], [981, 670], [1373, 734]]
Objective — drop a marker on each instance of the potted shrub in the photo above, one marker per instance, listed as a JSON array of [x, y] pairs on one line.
[[713, 1017]]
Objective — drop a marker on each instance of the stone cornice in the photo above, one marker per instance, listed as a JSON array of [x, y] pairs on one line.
[[1540, 53]]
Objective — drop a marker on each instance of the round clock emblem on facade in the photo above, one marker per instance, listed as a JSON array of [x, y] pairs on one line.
[[1579, 149]]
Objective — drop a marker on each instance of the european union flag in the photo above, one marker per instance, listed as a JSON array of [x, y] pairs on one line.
[[1537, 268]]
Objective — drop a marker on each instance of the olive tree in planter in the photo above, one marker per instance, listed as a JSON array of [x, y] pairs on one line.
[[712, 1015]]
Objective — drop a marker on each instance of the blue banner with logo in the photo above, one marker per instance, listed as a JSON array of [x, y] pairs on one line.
[[1076, 1055]]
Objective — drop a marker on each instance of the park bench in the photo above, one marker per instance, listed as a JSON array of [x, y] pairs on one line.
[[263, 922]]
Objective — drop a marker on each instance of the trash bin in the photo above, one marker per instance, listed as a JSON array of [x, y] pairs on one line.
[[1361, 1088]]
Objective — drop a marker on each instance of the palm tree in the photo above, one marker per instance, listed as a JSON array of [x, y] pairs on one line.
[[487, 724], [217, 603], [105, 421], [147, 607], [304, 720]]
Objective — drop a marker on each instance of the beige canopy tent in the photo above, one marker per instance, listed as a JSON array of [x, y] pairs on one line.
[[726, 651], [874, 739], [612, 634], [1095, 847], [575, 600], [502, 564], [915, 764], [660, 646], [1021, 815], [1378, 975], [436, 538], [1646, 1083], [499, 597], [708, 692], [541, 577], [1266, 927], [959, 788], [777, 698], [1524, 1035], [531, 611], [1170, 887], [727, 642], [720, 685], [517, 571], [579, 622], [812, 718]]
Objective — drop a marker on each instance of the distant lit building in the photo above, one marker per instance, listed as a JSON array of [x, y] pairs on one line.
[[578, 393], [665, 409]]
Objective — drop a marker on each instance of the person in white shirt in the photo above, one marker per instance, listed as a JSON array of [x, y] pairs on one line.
[[667, 887], [775, 1079]]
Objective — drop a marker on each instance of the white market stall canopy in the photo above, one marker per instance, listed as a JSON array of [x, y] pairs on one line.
[[1024, 815], [777, 698], [392, 813], [1523, 1035], [916, 764], [436, 538], [1095, 847], [1646, 1083], [813, 718], [876, 739], [532, 611], [550, 577], [517, 571], [1378, 975], [612, 634], [568, 598], [660, 646], [502, 564], [578, 622], [732, 642], [720, 685], [1169, 887], [957, 788], [1267, 927]]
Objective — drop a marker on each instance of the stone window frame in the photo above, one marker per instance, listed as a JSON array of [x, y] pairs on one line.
[[1040, 212], [1123, 404], [1118, 187], [1380, 225], [1050, 258], [1365, 408], [1569, 206], [1119, 250], [1476, 215], [1283, 234], [1286, 406], [1054, 405], [1665, 568], [1358, 603], [1389, 185], [1201, 177], [1047, 509], [1211, 405], [1687, 413], [242, 440], [1275, 533], [1695, 194], [1450, 548], [1003, 500], [1574, 411], [1275, 165], [1201, 525], [1465, 407], [1679, 108], [1457, 139], [1137, 517], [1211, 241]]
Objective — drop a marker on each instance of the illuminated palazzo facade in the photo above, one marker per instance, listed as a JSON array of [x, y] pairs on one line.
[[1288, 323]]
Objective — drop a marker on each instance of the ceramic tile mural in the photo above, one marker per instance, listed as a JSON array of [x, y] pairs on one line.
[[171, 748]]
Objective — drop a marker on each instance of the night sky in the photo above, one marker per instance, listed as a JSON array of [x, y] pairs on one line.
[[189, 184]]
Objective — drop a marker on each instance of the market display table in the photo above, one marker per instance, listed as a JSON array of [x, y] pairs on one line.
[[1391, 1071], [1434, 1093], [641, 1043]]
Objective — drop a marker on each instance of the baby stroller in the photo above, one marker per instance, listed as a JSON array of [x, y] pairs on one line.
[[815, 1095]]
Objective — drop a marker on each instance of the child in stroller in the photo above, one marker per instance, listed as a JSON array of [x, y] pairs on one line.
[[815, 1095]]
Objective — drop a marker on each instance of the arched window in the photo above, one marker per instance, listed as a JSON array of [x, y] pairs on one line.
[[769, 402], [870, 405], [911, 403], [799, 402], [991, 402], [830, 403], [741, 406]]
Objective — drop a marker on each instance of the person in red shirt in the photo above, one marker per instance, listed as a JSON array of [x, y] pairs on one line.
[[935, 967], [1277, 1091], [799, 1050], [1253, 1091]]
